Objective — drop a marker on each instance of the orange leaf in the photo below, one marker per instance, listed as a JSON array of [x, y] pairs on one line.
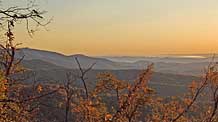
[[39, 88]]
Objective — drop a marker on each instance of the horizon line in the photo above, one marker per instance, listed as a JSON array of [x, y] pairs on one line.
[[146, 55]]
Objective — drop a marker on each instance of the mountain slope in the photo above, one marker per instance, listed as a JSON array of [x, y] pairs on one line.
[[63, 60], [166, 84], [166, 65]]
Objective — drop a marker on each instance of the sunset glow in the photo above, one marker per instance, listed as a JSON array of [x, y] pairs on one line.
[[127, 27]]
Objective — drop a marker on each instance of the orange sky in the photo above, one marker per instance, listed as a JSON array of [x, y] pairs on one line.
[[126, 27]]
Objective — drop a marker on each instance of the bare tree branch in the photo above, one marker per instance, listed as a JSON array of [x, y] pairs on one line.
[[83, 74]]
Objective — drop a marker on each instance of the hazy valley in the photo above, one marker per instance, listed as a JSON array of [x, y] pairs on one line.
[[171, 77]]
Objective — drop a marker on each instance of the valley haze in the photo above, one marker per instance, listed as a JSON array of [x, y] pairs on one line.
[[171, 74], [174, 64]]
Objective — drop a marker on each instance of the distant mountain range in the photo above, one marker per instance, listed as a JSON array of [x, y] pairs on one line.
[[169, 78], [171, 64]]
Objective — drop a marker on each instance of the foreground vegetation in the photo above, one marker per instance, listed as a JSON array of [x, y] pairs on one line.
[[111, 99]]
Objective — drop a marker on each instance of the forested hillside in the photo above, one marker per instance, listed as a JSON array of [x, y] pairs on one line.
[[44, 86]]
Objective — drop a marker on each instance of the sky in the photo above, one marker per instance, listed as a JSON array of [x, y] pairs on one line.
[[125, 27]]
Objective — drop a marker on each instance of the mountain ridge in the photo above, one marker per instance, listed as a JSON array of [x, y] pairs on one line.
[[165, 65]]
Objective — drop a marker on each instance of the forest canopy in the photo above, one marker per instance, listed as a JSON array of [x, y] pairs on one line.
[[110, 99]]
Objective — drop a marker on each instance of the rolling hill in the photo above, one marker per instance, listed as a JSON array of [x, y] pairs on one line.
[[166, 84], [184, 66]]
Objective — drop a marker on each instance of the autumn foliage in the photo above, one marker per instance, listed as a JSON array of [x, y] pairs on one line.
[[111, 100]]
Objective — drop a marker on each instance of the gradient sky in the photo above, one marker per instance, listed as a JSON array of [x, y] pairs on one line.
[[127, 27]]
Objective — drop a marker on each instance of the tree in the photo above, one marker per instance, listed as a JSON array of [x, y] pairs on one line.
[[70, 92], [14, 104], [198, 105], [88, 107]]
